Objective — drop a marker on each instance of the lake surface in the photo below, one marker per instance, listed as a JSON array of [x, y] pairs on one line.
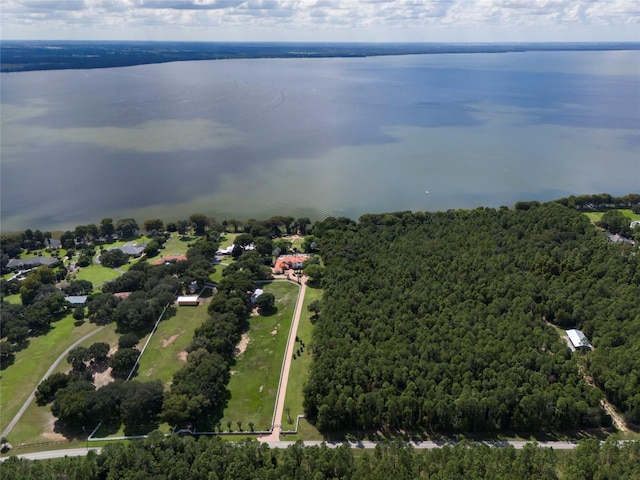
[[316, 137]]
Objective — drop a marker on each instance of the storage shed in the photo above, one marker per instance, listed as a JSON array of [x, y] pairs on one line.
[[191, 300], [77, 300], [578, 339]]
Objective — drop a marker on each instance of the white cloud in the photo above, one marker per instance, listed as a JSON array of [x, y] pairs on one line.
[[419, 20]]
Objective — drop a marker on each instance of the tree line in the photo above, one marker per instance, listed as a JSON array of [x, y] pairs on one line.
[[211, 458], [442, 322]]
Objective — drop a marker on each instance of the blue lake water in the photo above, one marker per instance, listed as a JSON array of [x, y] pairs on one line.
[[316, 137]]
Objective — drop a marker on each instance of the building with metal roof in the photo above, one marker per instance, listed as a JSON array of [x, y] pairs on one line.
[[578, 339]]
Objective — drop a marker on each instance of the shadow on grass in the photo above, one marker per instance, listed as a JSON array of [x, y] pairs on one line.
[[70, 433], [7, 361], [106, 430], [268, 312]]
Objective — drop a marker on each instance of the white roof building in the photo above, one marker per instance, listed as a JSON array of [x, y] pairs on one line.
[[225, 251], [256, 294], [76, 300], [578, 339], [188, 300]]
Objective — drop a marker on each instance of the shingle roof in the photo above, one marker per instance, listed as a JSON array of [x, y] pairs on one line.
[[30, 262]]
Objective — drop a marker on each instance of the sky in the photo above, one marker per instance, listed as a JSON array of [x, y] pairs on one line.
[[322, 20]]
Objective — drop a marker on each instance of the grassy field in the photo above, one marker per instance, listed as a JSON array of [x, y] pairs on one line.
[[227, 239], [300, 372], [255, 375], [96, 274], [21, 378], [162, 358], [16, 299], [176, 245], [37, 425], [297, 243], [596, 216]]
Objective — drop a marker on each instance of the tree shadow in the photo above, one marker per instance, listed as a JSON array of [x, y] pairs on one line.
[[106, 429], [7, 361], [70, 433], [268, 312], [143, 429]]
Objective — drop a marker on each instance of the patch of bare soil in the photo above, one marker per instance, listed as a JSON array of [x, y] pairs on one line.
[[275, 330], [50, 433], [170, 340], [183, 355], [261, 388], [242, 345], [100, 379], [618, 420], [233, 372]]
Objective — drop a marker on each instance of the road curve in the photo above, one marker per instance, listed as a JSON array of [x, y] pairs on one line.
[[49, 372]]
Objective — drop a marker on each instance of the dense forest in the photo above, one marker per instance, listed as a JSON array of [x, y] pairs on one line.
[[212, 458], [445, 322]]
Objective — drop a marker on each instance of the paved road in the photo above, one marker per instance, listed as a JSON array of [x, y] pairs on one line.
[[282, 388], [70, 452], [427, 445], [26, 404]]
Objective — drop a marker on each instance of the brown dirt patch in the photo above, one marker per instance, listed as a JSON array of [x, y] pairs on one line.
[[170, 340], [618, 420], [100, 379], [183, 355], [242, 345], [50, 434]]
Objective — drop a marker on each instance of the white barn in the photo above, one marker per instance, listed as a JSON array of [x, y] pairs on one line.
[[578, 339], [192, 300]]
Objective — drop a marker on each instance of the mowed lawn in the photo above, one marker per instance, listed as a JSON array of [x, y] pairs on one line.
[[165, 354], [299, 373], [21, 378], [15, 299], [37, 425], [96, 274], [255, 375], [596, 216]]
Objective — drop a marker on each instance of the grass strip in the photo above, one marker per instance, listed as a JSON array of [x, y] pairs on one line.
[[256, 372], [21, 378]]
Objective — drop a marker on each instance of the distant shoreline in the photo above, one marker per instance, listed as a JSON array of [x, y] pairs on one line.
[[39, 55]]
